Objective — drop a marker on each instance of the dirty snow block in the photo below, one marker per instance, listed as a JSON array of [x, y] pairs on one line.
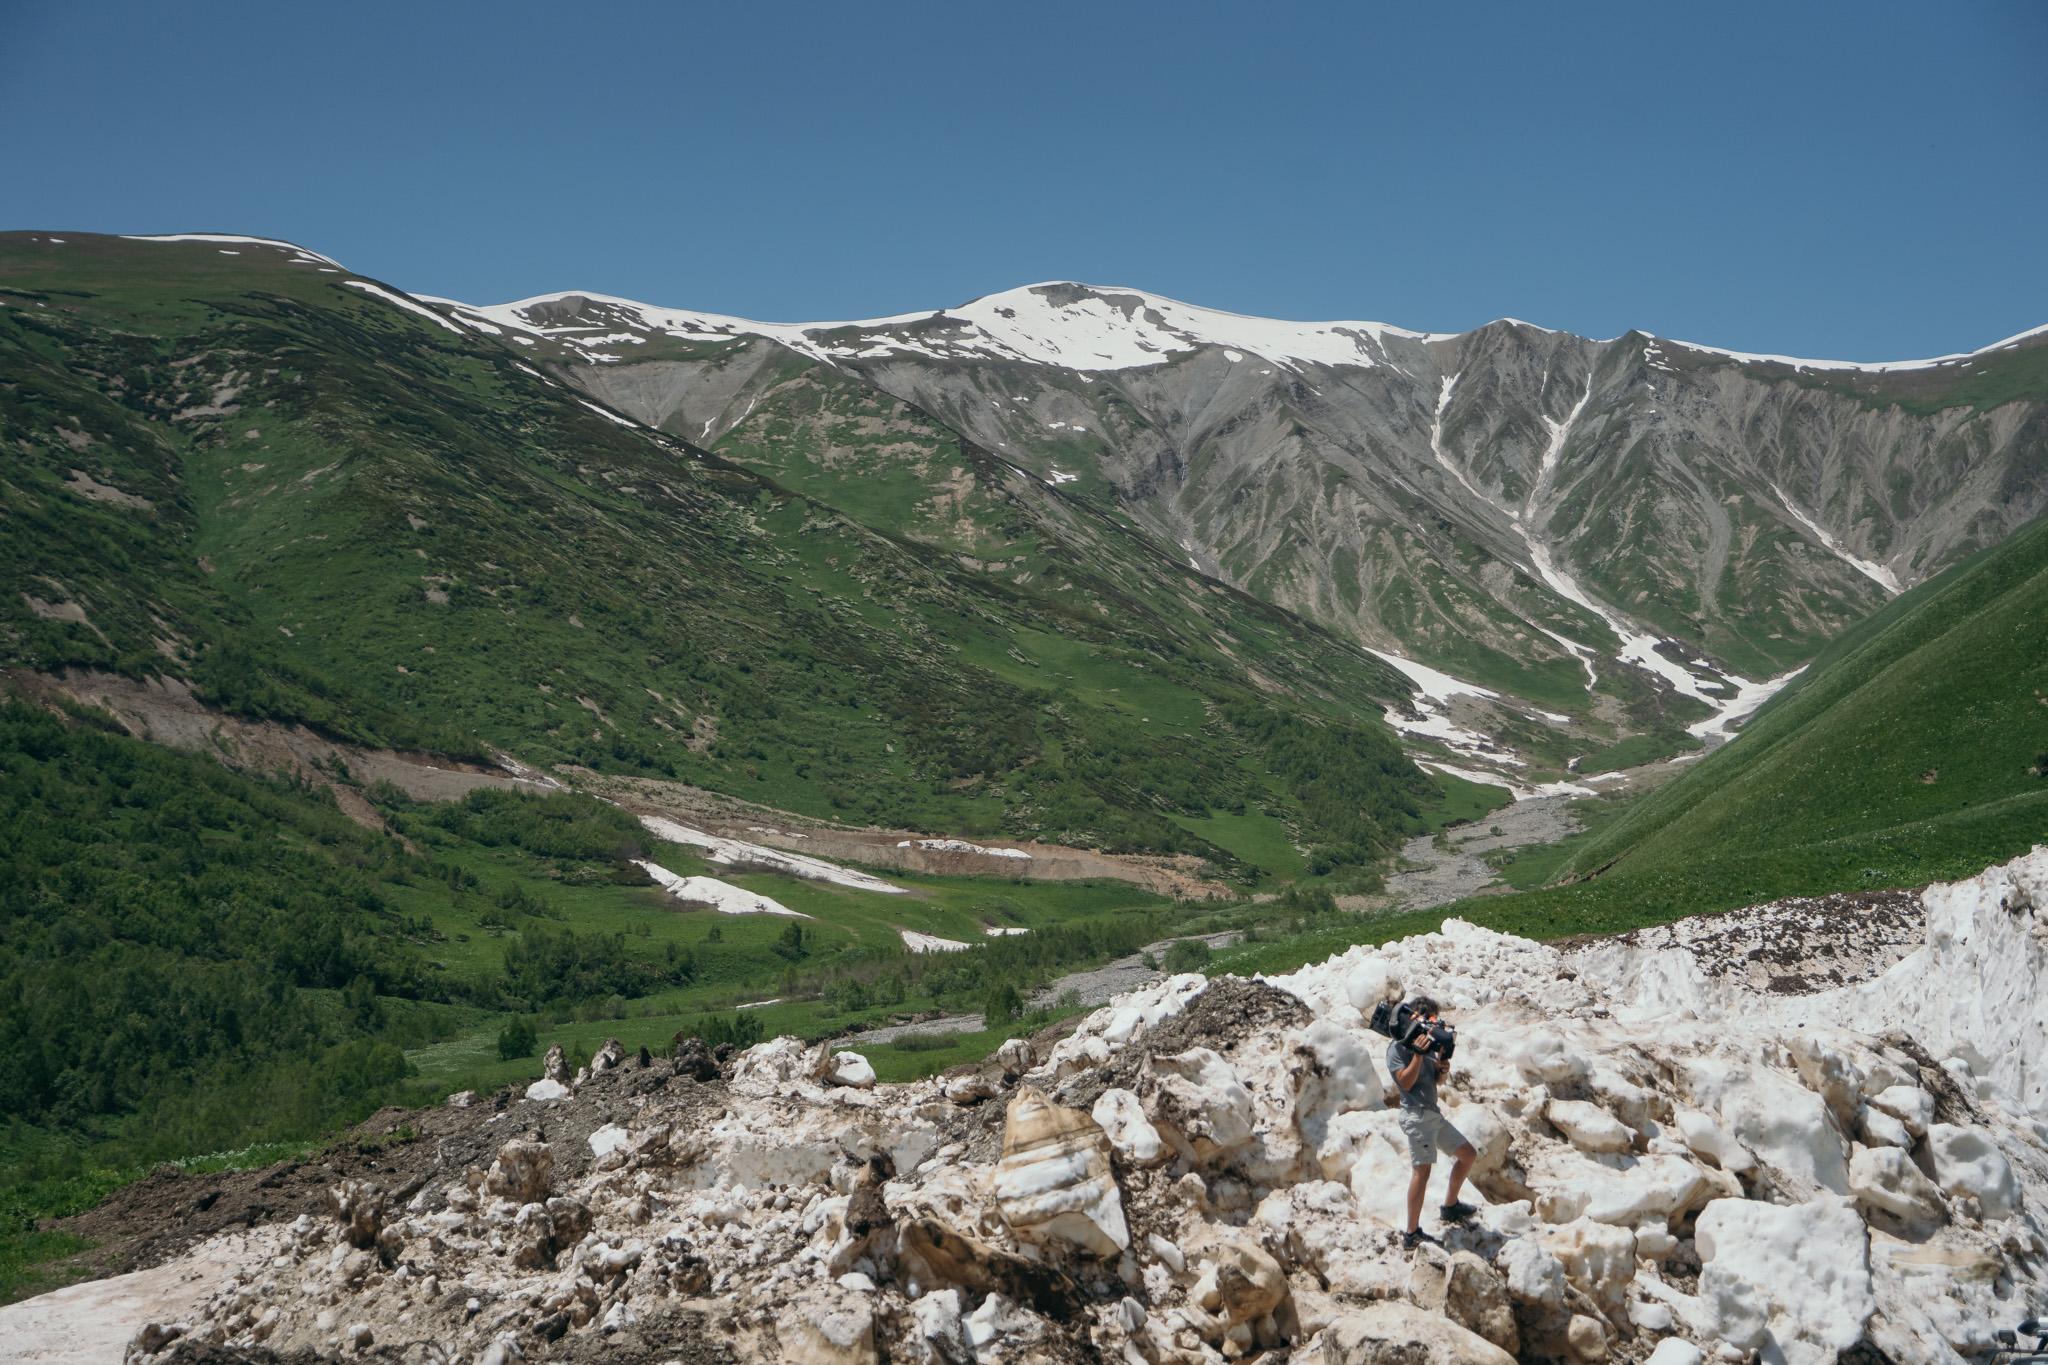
[[1656, 1189], [1909, 1104], [1198, 1097], [1884, 1179], [1967, 1162], [1784, 1125], [833, 1326], [1879, 1129], [522, 1172], [1392, 1330], [1534, 1276], [1053, 1183], [1795, 1277], [1598, 1258], [1335, 1072], [1484, 1129], [1588, 1127], [1371, 982], [1544, 1056], [1121, 1117], [1675, 1351], [852, 1070], [1711, 1142]]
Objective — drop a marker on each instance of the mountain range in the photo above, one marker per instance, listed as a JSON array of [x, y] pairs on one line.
[[1563, 542]]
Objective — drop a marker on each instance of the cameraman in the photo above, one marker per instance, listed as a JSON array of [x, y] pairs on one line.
[[1416, 1073]]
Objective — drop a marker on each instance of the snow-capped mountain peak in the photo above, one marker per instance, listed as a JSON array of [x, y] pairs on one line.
[[1088, 328]]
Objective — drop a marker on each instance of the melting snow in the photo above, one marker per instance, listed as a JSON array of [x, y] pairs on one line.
[[1877, 367], [608, 415], [930, 943], [723, 897], [729, 851], [224, 237], [1877, 573], [962, 846], [407, 304], [1748, 697]]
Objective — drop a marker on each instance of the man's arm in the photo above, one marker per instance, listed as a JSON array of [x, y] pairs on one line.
[[1408, 1075]]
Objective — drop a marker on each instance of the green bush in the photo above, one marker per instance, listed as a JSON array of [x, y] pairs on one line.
[[517, 1039], [1186, 955]]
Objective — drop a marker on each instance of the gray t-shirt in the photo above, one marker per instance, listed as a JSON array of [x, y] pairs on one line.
[[1421, 1095]]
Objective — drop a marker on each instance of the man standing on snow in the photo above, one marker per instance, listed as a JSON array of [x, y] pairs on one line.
[[1416, 1073]]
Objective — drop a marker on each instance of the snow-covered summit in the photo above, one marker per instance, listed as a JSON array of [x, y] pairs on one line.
[[1080, 327]]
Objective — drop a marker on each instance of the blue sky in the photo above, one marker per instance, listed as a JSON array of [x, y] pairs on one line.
[[1865, 181]]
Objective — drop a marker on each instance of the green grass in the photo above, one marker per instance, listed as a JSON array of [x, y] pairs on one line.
[[1926, 718], [1255, 838], [1636, 750]]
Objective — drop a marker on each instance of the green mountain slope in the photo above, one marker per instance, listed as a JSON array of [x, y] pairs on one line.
[[240, 466], [1915, 746], [1914, 750]]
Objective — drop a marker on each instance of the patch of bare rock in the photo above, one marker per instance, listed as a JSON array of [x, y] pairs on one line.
[[1210, 1171]]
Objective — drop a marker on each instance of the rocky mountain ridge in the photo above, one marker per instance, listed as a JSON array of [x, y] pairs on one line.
[[1635, 529], [1674, 1164]]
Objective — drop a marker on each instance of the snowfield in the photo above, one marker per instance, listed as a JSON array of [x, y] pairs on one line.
[[1690, 1142], [720, 849], [723, 897]]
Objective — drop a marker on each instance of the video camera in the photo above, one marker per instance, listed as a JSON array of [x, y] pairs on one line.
[[1405, 1026]]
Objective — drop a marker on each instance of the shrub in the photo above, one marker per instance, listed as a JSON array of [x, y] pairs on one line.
[[1187, 955], [517, 1039]]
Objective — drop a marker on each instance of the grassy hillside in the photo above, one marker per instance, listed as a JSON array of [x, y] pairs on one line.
[[232, 465], [1917, 741]]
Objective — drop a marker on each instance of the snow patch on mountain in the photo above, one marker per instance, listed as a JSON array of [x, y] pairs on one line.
[[1876, 572], [723, 897], [225, 237], [728, 851], [399, 301], [1085, 328]]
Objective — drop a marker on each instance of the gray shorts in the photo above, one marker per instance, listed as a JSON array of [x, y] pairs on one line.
[[1426, 1131]]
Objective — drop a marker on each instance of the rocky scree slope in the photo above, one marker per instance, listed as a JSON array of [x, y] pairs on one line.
[[1672, 1165], [1631, 528]]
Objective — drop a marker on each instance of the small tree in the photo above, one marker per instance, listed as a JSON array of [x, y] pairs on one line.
[[792, 945], [1187, 955], [517, 1039], [1001, 1005]]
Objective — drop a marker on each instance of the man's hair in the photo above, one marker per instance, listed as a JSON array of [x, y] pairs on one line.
[[1423, 1004]]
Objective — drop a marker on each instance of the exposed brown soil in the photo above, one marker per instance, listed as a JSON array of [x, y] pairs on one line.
[[880, 848], [164, 711]]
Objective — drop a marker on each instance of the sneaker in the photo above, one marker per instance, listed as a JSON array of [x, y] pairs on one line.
[[1457, 1211], [1416, 1238]]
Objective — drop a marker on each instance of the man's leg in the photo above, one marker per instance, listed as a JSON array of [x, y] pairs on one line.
[[1464, 1157], [1418, 1185]]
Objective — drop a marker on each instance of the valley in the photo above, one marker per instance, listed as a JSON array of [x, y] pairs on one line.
[[398, 692]]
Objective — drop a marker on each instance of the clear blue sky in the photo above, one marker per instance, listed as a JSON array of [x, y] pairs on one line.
[[1865, 180]]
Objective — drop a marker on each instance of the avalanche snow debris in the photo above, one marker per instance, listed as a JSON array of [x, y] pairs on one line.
[[1206, 1171]]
